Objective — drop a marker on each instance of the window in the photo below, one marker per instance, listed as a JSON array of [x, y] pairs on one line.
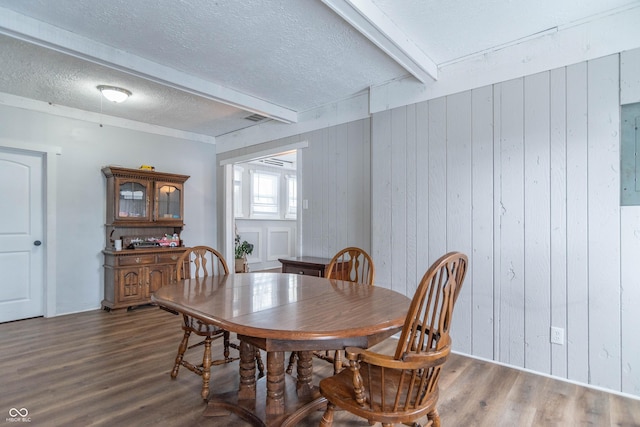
[[292, 197], [264, 200], [237, 191]]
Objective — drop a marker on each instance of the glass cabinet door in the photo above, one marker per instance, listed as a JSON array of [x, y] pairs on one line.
[[133, 200], [168, 201]]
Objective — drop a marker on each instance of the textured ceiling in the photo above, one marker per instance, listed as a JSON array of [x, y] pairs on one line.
[[451, 30], [278, 51], [202, 66]]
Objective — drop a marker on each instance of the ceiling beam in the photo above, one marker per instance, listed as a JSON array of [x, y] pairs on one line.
[[42, 34], [369, 20]]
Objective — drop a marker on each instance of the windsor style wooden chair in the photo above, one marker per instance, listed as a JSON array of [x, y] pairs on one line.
[[351, 264], [402, 388], [204, 261]]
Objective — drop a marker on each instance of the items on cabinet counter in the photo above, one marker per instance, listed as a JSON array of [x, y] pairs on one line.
[[167, 240]]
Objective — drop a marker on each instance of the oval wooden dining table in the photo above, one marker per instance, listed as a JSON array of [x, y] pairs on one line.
[[279, 312]]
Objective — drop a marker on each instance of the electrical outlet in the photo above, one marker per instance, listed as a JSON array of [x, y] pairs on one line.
[[557, 335]]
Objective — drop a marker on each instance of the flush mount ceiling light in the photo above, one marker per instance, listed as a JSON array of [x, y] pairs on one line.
[[114, 94]]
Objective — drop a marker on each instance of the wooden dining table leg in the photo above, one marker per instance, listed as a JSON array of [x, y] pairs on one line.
[[243, 403], [247, 389], [275, 383], [304, 386]]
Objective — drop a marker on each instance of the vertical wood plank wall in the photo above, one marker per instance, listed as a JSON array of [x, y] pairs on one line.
[[335, 175], [523, 176], [629, 320], [577, 213], [630, 249]]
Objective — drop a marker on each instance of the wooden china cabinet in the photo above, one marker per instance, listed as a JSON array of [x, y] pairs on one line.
[[145, 213]]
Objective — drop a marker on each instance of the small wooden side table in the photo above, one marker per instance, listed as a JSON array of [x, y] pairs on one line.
[[306, 265]]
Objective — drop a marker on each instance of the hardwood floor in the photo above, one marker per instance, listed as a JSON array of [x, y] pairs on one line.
[[99, 368]]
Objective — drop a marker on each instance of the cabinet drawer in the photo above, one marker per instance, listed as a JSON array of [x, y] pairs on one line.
[[136, 260], [301, 270], [168, 258]]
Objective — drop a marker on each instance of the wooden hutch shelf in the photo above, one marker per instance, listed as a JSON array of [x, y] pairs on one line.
[[142, 208]]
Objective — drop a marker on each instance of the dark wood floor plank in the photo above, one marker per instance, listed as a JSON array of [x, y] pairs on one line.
[[99, 368]]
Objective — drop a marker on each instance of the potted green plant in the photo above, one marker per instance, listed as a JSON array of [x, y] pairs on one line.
[[243, 249]]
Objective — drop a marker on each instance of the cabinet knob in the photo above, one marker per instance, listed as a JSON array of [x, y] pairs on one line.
[[37, 243], [137, 260], [174, 258]]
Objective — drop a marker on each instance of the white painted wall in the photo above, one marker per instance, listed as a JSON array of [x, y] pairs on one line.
[[630, 249], [335, 180], [271, 239], [80, 206], [523, 176]]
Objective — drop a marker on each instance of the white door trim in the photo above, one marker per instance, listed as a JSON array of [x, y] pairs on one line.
[[226, 165], [50, 188], [248, 154]]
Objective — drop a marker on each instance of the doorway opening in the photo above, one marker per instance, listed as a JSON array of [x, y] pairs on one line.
[[264, 201]]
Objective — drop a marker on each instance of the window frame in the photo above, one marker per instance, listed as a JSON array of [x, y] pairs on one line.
[[291, 194], [276, 176], [238, 199]]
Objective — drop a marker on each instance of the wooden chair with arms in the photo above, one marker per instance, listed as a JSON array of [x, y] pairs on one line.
[[404, 387], [206, 261]]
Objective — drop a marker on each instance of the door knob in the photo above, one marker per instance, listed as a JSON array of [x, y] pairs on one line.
[[37, 243]]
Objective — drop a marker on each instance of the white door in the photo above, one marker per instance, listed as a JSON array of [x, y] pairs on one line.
[[21, 235]]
